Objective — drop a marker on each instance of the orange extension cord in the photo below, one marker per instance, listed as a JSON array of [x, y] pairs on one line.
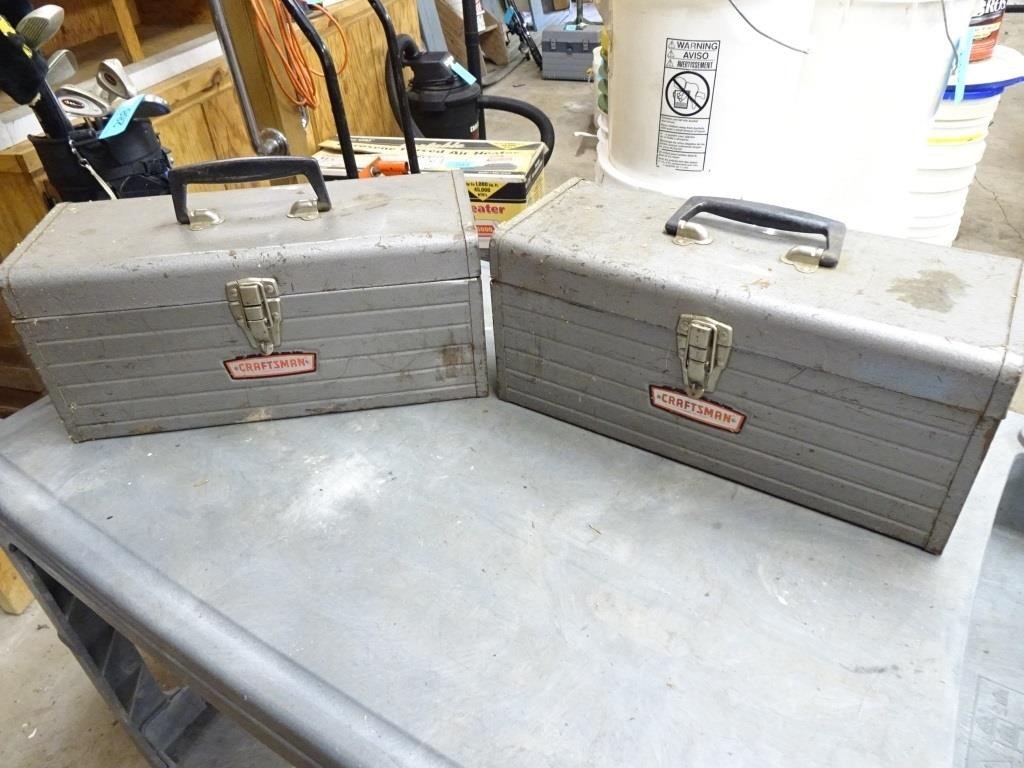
[[287, 47]]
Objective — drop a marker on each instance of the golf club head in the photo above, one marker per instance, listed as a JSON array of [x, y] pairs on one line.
[[80, 103], [40, 25], [152, 106], [114, 80], [61, 67], [78, 107]]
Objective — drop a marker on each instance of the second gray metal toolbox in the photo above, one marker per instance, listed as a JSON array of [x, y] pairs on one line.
[[254, 304], [569, 53], [864, 379]]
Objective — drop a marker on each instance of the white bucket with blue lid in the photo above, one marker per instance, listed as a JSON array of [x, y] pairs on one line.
[[956, 144]]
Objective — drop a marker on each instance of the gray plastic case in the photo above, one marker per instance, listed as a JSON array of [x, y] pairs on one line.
[[569, 53], [869, 391], [125, 312]]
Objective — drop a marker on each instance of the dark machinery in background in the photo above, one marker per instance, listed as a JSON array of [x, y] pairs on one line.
[[446, 101], [445, 104], [516, 23]]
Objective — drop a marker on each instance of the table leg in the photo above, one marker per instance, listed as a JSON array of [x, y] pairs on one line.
[[155, 719], [15, 596], [126, 31]]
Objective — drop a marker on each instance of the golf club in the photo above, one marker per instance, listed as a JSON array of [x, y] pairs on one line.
[[61, 67], [40, 25], [80, 103], [152, 106], [113, 79], [79, 107]]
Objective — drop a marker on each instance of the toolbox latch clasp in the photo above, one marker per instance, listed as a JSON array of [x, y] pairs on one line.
[[704, 348], [255, 303]]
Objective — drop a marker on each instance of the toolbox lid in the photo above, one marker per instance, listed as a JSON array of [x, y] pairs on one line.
[[132, 254], [938, 323]]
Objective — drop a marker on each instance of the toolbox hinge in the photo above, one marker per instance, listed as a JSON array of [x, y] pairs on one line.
[[255, 303], [704, 348]]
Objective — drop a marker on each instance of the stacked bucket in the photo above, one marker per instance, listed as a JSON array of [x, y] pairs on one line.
[[956, 142], [813, 130]]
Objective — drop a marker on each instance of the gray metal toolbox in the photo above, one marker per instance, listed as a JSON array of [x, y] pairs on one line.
[[864, 379], [569, 53], [256, 304]]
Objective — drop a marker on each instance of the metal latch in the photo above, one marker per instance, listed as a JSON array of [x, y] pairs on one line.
[[704, 347], [255, 303]]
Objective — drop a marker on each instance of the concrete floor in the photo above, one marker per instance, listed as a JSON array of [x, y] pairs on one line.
[[50, 716]]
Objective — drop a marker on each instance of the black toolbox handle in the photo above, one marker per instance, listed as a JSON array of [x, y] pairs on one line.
[[765, 215], [238, 170]]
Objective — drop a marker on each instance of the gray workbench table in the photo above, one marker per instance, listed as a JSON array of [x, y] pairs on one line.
[[510, 590]]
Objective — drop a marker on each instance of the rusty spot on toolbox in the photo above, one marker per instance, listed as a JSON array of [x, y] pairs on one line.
[[932, 289], [146, 429], [452, 356]]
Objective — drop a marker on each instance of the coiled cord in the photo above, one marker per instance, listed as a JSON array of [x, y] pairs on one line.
[[282, 38]]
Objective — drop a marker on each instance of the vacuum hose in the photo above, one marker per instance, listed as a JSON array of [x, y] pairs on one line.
[[530, 112]]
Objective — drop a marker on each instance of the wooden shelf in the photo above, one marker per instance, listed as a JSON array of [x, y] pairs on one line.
[[155, 38], [86, 20], [129, 30]]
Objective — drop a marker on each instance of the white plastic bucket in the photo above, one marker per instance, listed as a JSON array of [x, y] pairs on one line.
[[956, 144], [972, 109], [689, 111], [872, 83], [834, 130], [947, 167], [952, 157], [932, 204], [930, 180]]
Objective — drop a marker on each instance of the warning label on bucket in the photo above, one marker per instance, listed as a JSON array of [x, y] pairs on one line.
[[688, 92]]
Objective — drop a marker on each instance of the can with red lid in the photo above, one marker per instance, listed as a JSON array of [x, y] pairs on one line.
[[985, 25]]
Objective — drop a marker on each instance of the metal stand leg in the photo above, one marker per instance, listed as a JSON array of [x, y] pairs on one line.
[[155, 719]]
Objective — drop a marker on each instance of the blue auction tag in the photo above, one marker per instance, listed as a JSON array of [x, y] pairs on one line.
[[509, 15], [462, 72], [121, 118]]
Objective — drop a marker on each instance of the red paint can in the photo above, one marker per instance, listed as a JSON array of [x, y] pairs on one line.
[[985, 25]]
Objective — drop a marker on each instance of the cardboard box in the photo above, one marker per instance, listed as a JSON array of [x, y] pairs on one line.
[[503, 177], [493, 47]]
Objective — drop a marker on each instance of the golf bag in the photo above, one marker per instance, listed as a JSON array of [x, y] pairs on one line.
[[133, 163]]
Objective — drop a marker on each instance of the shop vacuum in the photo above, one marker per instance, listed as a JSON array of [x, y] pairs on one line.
[[445, 99]]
